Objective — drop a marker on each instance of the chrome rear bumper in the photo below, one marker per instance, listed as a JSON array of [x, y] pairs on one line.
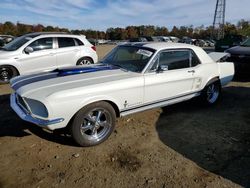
[[28, 117]]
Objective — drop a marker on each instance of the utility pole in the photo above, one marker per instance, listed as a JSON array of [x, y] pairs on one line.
[[219, 19]]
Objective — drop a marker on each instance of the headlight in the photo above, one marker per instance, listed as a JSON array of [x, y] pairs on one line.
[[36, 107]]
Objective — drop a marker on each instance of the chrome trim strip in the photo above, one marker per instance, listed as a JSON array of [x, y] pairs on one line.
[[27, 117], [158, 104]]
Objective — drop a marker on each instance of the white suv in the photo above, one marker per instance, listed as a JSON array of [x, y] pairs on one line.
[[39, 52]]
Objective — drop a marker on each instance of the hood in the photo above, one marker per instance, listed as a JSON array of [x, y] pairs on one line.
[[239, 50], [45, 84], [7, 54]]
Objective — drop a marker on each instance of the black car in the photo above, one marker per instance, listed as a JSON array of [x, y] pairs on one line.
[[240, 55], [1, 42], [227, 42]]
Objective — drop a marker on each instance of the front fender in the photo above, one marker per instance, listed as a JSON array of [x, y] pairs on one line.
[[94, 99], [66, 109]]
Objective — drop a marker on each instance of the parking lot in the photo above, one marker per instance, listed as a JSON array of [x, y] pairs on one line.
[[185, 145]]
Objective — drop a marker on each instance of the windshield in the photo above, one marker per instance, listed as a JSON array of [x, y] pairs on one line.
[[246, 43], [16, 43], [130, 58]]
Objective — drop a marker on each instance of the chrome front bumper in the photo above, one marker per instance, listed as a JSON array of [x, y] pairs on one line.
[[28, 117]]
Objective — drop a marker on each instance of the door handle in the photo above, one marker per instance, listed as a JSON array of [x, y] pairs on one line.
[[191, 71], [52, 54]]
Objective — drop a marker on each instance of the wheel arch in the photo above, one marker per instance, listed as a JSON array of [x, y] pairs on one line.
[[112, 103], [12, 66], [117, 111], [212, 80]]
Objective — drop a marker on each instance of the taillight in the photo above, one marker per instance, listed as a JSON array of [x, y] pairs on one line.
[[93, 47]]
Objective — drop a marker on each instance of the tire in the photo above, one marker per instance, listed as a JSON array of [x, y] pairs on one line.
[[93, 124], [211, 93], [6, 73], [85, 61]]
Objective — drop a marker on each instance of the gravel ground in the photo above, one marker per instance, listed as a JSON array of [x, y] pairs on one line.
[[184, 145]]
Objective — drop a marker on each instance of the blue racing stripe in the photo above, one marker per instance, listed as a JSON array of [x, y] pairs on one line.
[[33, 79], [61, 73], [80, 70]]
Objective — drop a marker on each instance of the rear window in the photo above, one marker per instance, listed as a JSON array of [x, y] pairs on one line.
[[79, 42], [65, 42]]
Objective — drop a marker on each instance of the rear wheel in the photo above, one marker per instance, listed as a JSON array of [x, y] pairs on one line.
[[6, 73], [211, 93], [93, 124], [85, 61]]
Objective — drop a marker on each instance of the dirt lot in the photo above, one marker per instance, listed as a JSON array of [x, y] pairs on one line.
[[185, 145]]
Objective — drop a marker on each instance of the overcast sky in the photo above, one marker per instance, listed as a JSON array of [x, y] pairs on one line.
[[102, 14]]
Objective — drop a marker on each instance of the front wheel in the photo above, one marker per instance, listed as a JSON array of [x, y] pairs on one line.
[[93, 124], [6, 73], [211, 93]]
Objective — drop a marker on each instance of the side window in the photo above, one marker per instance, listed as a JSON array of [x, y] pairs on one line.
[[78, 42], [175, 59], [42, 44], [194, 60], [65, 42]]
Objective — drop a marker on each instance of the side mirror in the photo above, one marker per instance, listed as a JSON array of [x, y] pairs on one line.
[[162, 68], [28, 50]]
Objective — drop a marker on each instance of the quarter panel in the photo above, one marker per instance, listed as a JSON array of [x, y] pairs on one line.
[[204, 73], [226, 70]]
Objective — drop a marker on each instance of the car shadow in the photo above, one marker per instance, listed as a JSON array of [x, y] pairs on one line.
[[217, 138], [240, 78], [12, 125]]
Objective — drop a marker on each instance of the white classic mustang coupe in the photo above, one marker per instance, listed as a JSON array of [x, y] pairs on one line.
[[133, 77]]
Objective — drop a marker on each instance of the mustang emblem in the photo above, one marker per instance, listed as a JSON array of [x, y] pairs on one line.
[[125, 104]]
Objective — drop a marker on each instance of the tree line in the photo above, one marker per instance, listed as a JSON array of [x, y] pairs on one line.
[[18, 29]]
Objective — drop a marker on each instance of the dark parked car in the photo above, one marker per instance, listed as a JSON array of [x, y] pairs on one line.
[[1, 42], [240, 55], [140, 39], [227, 42], [5, 39]]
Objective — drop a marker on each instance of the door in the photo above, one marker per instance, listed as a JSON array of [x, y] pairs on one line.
[[67, 51], [43, 57], [175, 79]]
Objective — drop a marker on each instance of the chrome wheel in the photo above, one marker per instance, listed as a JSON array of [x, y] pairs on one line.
[[96, 124], [213, 91], [93, 124]]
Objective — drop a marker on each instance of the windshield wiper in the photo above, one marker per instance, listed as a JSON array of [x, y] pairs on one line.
[[115, 65], [119, 66]]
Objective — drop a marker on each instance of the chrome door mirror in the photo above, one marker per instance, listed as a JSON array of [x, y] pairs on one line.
[[28, 50], [162, 68]]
